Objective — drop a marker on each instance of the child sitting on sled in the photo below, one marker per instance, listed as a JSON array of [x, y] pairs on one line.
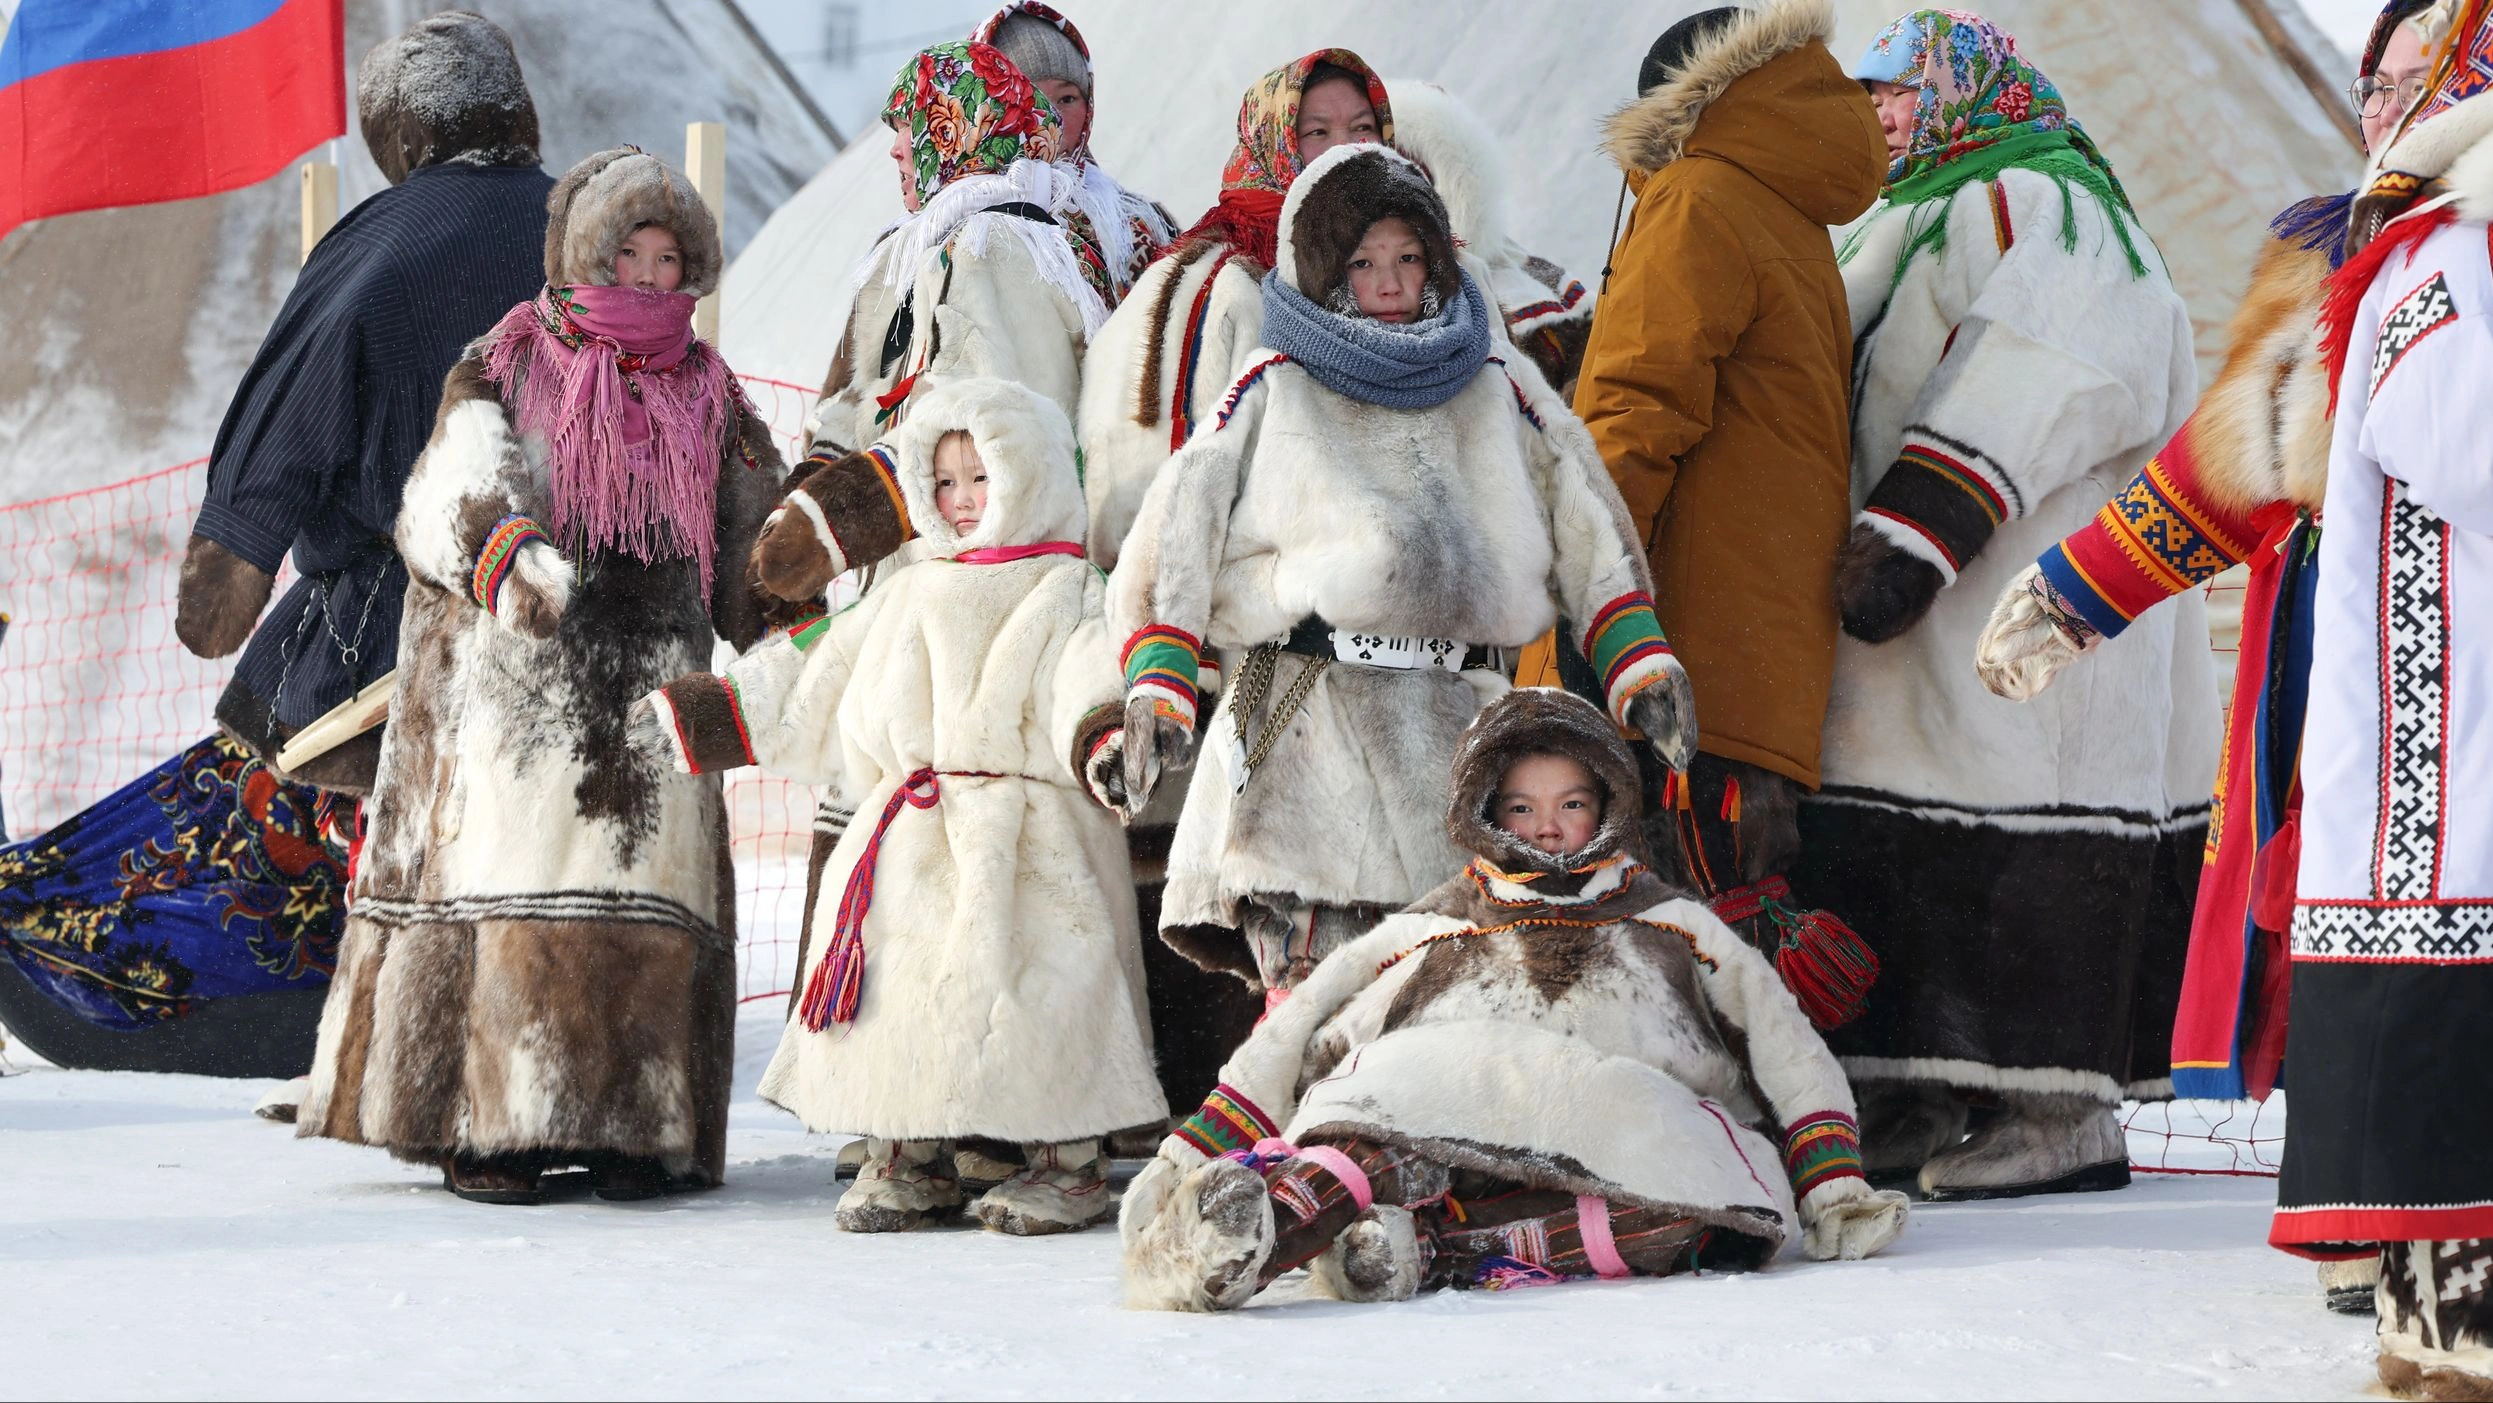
[[1553, 1065]]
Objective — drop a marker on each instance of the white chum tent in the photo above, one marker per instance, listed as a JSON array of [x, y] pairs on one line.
[[2215, 113]]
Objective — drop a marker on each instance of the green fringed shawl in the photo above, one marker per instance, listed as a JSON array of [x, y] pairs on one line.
[[2069, 159]]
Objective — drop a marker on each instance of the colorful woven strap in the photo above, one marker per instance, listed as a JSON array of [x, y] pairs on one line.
[[1227, 1121], [1820, 1149], [887, 470], [1181, 400], [1740, 903], [500, 554], [1161, 663], [1624, 643], [1341, 1167], [1601, 1249]]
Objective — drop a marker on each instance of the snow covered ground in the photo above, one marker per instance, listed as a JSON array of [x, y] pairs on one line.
[[157, 1241]]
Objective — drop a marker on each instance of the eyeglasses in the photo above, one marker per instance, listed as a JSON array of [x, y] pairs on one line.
[[2371, 95]]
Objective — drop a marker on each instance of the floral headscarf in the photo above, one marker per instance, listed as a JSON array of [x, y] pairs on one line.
[[1983, 109], [968, 111], [1266, 160]]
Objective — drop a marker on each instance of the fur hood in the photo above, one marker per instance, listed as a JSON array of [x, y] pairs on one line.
[[1654, 130], [1033, 491], [599, 202], [1542, 721], [448, 89], [1460, 156], [1334, 201]]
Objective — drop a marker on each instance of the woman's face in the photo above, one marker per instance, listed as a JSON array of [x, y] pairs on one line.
[[960, 483], [1072, 109], [908, 170], [649, 259], [1333, 113], [2405, 67], [1896, 106], [1388, 272]]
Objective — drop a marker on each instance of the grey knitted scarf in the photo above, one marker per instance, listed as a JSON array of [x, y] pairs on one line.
[[1419, 365]]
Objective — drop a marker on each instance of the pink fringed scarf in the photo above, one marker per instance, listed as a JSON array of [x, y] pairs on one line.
[[634, 411]]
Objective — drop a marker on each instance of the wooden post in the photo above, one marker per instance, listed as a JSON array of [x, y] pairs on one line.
[[320, 202], [705, 160]]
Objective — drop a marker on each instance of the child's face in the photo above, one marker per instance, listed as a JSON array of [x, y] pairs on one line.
[[1072, 109], [649, 259], [1551, 802], [960, 483], [1388, 271]]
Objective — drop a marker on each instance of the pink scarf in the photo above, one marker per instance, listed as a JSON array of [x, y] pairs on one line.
[[634, 409]]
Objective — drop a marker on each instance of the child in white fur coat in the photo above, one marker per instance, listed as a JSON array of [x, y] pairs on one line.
[[976, 969]]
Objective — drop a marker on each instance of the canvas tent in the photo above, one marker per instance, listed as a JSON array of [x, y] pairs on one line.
[[2218, 113]]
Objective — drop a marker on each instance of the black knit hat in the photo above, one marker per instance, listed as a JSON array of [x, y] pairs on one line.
[[1671, 52]]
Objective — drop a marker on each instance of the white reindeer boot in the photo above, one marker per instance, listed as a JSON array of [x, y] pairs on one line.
[[2041, 1143], [1206, 1248], [1062, 1188], [901, 1185], [1379, 1257]]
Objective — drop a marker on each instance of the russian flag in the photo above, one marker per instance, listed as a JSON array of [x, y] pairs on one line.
[[128, 102]]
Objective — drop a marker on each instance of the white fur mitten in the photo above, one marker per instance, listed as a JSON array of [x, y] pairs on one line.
[[1104, 775], [2027, 643], [1159, 740], [1665, 712], [534, 593], [1846, 1220], [1148, 1194], [650, 731]]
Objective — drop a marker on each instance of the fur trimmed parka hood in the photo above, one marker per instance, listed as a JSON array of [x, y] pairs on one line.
[[1034, 494], [1334, 201], [1542, 721], [449, 88], [1764, 94], [599, 202]]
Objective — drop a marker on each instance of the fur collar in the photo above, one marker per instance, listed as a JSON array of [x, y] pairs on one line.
[[1034, 493], [1653, 131]]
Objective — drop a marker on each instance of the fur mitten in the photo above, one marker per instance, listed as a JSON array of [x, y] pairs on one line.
[[1205, 1247], [1104, 775], [1665, 713], [1882, 589], [1846, 1220], [1156, 742], [1148, 1194], [2028, 641], [533, 596], [840, 514], [221, 597], [650, 731]]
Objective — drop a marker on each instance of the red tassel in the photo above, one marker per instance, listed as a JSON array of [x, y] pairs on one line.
[[837, 984], [1828, 968], [1731, 800], [2346, 287]]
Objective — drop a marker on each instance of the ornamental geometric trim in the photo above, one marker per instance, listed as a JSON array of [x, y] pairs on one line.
[[2455, 932], [2419, 314], [2414, 691]]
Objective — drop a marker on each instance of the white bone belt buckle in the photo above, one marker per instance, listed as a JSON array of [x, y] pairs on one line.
[[1404, 654]]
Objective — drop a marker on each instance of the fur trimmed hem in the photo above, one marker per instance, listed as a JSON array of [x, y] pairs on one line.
[[2057, 819], [1961, 1075], [1651, 132]]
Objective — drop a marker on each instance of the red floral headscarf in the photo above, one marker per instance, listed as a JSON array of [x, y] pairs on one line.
[[968, 111], [1266, 160]]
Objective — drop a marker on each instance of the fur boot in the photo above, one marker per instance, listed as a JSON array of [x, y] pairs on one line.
[[1063, 1189], [1205, 1249], [1903, 1124], [2349, 1286], [2436, 1319], [899, 1187], [982, 1164], [2041, 1143], [503, 1179], [281, 1103], [1379, 1257]]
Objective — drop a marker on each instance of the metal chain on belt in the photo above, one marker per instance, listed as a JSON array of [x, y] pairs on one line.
[[1255, 678]]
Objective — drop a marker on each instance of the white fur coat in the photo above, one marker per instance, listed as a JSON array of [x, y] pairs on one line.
[[2052, 374], [1003, 988]]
